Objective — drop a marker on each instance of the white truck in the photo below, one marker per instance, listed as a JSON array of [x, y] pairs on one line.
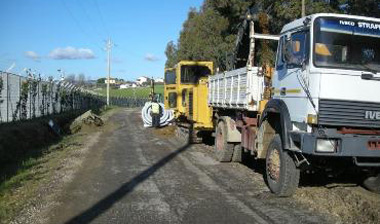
[[319, 109]]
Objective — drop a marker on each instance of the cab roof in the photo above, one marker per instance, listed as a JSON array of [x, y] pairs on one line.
[[300, 22]]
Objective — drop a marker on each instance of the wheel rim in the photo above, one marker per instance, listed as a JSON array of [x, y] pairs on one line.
[[274, 164], [219, 140]]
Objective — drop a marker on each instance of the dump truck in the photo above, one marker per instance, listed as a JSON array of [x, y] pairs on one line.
[[317, 109]]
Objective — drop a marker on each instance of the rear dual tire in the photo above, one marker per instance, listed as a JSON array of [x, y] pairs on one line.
[[223, 150]]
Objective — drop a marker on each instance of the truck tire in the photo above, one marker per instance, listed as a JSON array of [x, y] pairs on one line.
[[237, 156], [373, 184], [282, 175], [223, 150]]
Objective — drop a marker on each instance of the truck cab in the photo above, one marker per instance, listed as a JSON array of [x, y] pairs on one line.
[[327, 75], [326, 92]]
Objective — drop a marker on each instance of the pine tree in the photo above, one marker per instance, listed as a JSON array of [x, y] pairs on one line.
[[210, 32]]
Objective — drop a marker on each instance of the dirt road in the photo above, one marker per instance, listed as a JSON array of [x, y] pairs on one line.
[[133, 175]]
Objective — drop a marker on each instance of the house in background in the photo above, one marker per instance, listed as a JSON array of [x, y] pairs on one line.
[[128, 85], [112, 81], [159, 80], [125, 86], [143, 79]]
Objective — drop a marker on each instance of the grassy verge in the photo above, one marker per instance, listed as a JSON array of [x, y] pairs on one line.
[[28, 139], [23, 178], [16, 191]]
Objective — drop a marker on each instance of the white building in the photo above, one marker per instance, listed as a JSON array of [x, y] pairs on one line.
[[159, 80], [142, 79], [112, 81], [125, 86]]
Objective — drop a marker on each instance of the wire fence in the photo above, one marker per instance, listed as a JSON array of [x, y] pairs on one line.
[[128, 101], [23, 98]]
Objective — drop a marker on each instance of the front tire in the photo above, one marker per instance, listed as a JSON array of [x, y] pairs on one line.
[[282, 174], [373, 184], [238, 154], [223, 149]]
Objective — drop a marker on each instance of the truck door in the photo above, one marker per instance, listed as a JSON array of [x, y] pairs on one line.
[[292, 63]]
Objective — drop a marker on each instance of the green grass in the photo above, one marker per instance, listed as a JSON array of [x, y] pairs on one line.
[[17, 191], [138, 92], [36, 164]]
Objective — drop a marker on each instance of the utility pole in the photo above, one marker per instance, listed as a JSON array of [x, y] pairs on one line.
[[109, 46], [303, 8]]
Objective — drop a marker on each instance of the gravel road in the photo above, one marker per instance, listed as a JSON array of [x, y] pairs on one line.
[[136, 175]]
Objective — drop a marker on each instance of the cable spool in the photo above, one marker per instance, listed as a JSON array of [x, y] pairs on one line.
[[166, 117]]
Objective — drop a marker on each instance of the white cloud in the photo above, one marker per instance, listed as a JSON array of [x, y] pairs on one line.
[[71, 53], [151, 57], [32, 55]]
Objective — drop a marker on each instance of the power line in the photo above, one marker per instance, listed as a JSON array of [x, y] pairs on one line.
[[101, 16], [87, 15], [77, 23]]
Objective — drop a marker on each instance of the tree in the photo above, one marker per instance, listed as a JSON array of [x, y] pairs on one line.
[[203, 37], [101, 81], [363, 8], [171, 54], [210, 32]]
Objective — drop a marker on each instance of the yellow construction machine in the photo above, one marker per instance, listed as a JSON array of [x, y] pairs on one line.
[[186, 89]]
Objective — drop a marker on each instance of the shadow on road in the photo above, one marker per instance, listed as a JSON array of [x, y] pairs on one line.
[[318, 178], [104, 204]]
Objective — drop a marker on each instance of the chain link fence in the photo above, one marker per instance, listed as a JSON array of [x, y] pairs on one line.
[[24, 98], [128, 101]]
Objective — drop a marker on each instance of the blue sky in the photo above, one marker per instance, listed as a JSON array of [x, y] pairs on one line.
[[46, 35]]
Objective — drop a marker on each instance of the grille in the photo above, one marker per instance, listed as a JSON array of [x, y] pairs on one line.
[[347, 113]]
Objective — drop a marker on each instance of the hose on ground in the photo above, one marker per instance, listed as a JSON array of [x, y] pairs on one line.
[[166, 117]]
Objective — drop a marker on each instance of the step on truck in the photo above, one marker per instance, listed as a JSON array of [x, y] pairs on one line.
[[318, 108]]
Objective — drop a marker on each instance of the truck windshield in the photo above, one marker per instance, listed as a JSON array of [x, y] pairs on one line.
[[347, 44], [170, 77], [190, 74]]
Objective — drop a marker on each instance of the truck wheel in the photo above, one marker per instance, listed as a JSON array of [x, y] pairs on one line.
[[373, 184], [223, 150], [282, 175], [237, 156]]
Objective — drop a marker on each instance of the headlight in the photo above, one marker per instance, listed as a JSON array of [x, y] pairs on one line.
[[326, 145]]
